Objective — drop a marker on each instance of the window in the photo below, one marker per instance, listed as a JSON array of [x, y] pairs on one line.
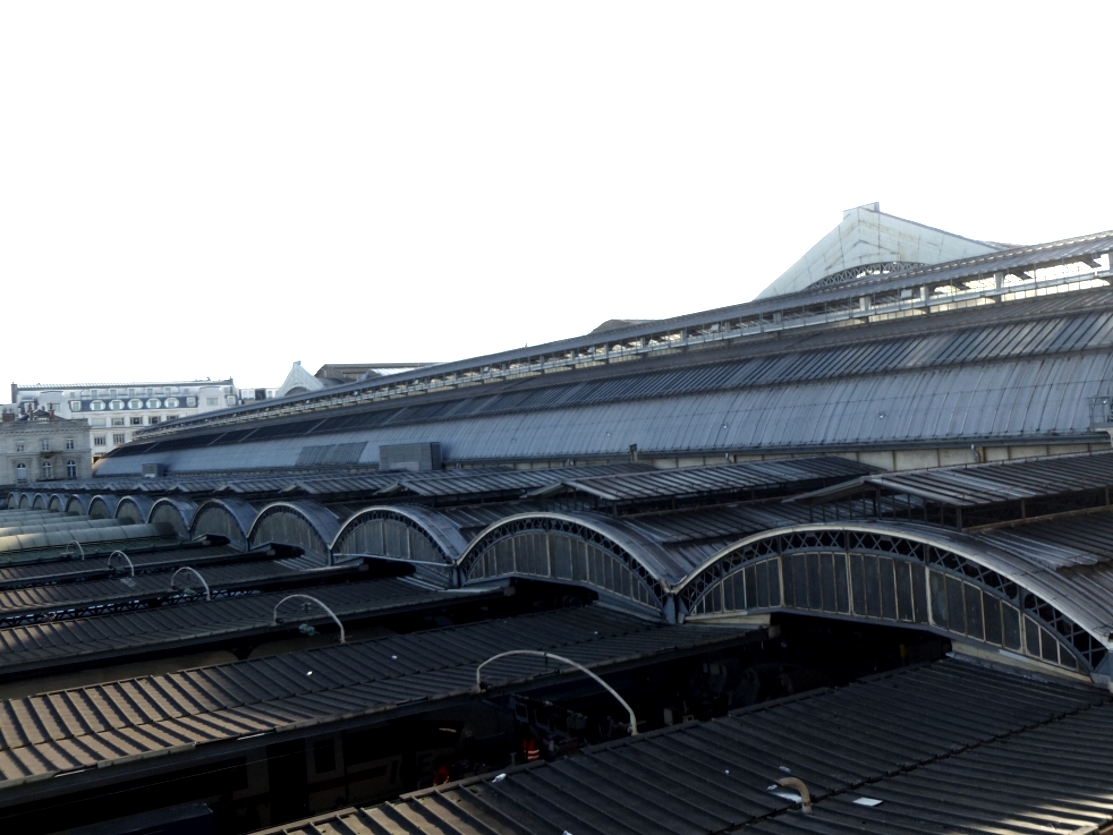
[[171, 403], [116, 405], [117, 421], [191, 401], [153, 404], [135, 404], [211, 401], [47, 470], [71, 469], [75, 405], [150, 391], [45, 444], [69, 443], [119, 438], [20, 472], [97, 405], [100, 440], [153, 419], [171, 417], [137, 421], [112, 392], [19, 446]]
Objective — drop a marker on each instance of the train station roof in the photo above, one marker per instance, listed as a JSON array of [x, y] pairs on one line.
[[951, 745]]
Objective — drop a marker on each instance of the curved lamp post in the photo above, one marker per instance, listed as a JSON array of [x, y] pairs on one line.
[[326, 609], [195, 573], [129, 562], [563, 660], [80, 550]]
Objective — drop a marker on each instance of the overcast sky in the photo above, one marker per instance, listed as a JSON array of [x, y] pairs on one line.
[[193, 190]]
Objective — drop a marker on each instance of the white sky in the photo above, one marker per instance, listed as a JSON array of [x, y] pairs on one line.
[[195, 189]]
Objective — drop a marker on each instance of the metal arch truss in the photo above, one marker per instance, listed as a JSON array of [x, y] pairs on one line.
[[865, 271], [588, 535], [1077, 640], [384, 514]]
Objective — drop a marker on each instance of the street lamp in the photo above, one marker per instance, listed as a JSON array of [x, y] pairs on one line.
[[327, 610], [629, 710]]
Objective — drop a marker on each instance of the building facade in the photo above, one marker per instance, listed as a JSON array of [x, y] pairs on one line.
[[37, 449], [113, 413]]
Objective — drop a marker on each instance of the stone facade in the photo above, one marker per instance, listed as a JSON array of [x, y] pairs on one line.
[[44, 450], [114, 413]]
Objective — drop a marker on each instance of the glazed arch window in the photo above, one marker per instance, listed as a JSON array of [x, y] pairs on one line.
[[135, 403], [191, 401], [154, 403], [116, 405], [75, 405], [171, 403], [97, 405]]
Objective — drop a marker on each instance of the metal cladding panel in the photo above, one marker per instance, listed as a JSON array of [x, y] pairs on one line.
[[731, 522], [65, 571], [715, 776], [1034, 355], [490, 480], [128, 633], [94, 725], [147, 586], [1063, 544], [978, 484], [55, 522], [1052, 778]]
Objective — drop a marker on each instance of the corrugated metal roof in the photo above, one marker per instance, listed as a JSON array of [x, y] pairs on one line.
[[892, 368], [82, 640], [794, 306], [94, 725], [756, 476], [471, 483], [1002, 401], [1051, 778], [1066, 544], [65, 571], [982, 484], [67, 600], [715, 776]]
